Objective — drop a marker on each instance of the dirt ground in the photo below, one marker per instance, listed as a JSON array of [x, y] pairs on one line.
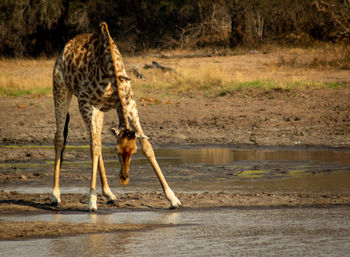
[[318, 117], [314, 116], [303, 117]]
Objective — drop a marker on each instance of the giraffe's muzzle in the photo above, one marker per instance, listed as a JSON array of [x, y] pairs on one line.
[[124, 174], [126, 147], [124, 178]]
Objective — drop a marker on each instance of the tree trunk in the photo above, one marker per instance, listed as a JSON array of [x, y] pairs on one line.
[[237, 24]]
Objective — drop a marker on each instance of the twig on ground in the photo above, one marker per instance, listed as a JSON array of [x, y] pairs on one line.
[[158, 66], [137, 73]]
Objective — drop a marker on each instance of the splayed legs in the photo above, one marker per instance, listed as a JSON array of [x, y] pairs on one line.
[[149, 152], [94, 122], [62, 99]]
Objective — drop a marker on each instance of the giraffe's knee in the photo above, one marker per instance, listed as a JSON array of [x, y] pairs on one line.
[[96, 145], [58, 142], [96, 150], [147, 148]]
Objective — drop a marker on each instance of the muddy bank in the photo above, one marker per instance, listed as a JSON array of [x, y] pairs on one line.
[[258, 117], [14, 202], [26, 230]]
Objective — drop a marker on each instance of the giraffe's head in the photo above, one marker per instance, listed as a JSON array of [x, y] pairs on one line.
[[126, 147]]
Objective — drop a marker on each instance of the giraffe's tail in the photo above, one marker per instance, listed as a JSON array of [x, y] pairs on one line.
[[65, 131], [65, 134]]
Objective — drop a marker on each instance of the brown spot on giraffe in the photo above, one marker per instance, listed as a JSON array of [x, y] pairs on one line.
[[91, 68]]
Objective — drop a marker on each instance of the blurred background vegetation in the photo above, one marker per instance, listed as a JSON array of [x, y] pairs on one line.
[[34, 28]]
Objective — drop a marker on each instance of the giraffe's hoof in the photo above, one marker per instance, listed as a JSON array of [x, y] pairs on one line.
[[55, 198], [92, 206], [111, 198], [175, 202], [91, 209], [113, 202], [54, 204]]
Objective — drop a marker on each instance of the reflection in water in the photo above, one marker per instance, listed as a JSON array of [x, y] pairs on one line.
[[216, 232], [171, 218], [93, 218], [57, 218], [201, 169], [196, 155], [87, 245], [221, 156]]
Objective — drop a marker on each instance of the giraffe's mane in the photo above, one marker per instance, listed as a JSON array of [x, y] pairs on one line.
[[104, 29]]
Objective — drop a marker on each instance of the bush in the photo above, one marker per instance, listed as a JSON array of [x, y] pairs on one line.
[[41, 27]]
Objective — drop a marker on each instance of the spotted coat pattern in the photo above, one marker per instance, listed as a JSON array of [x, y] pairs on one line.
[[85, 68], [91, 68]]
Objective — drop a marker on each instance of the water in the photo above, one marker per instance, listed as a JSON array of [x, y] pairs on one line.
[[198, 169], [250, 231], [216, 232]]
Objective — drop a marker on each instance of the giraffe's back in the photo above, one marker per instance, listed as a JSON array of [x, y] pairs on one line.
[[79, 69]]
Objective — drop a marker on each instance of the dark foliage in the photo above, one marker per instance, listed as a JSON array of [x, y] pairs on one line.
[[33, 28]]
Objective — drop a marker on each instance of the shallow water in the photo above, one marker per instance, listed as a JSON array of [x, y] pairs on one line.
[[216, 232], [210, 232], [200, 169]]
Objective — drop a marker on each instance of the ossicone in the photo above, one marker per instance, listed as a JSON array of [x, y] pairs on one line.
[[123, 78], [127, 133], [123, 133], [103, 26]]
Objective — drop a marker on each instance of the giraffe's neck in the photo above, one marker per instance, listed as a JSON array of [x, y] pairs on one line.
[[123, 118], [120, 89]]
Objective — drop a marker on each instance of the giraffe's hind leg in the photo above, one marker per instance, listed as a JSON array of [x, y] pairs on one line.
[[93, 119], [111, 198], [62, 98]]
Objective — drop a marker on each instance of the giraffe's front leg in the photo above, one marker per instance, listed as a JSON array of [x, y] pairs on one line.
[[92, 205], [59, 148], [56, 195], [111, 198], [169, 194], [92, 121]]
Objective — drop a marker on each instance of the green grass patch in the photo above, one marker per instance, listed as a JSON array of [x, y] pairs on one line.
[[150, 85], [274, 85], [16, 91], [252, 173], [335, 85], [296, 173]]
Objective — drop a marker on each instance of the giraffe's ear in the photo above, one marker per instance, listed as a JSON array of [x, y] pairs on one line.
[[114, 131], [141, 136], [123, 78]]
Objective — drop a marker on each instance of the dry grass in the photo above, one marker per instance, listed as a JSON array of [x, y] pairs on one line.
[[324, 56], [25, 77], [221, 75], [271, 68]]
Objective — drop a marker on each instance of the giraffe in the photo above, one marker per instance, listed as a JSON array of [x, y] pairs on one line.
[[91, 67]]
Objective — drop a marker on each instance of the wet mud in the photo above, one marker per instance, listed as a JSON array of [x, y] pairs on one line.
[[24, 230]]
